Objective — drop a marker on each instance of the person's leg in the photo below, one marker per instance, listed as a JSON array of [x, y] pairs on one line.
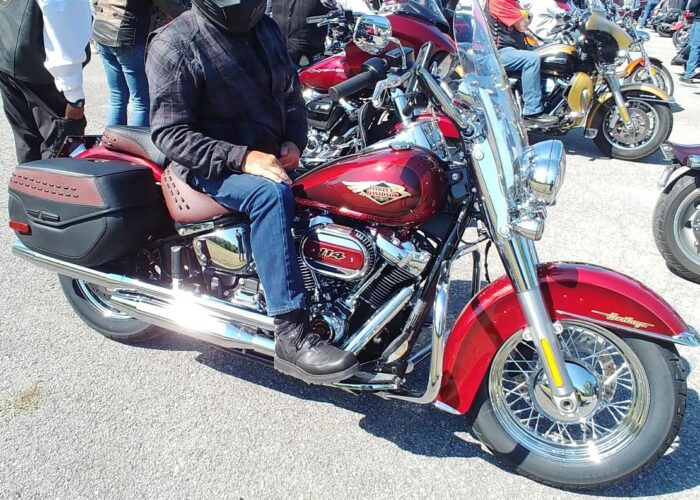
[[298, 351], [132, 61], [647, 10], [270, 207], [694, 56], [49, 109], [116, 83], [527, 63], [19, 114]]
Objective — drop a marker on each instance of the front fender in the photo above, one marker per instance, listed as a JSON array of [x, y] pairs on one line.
[[571, 291], [635, 63], [639, 90]]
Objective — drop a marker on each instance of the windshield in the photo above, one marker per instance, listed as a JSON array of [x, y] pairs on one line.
[[483, 86], [428, 10]]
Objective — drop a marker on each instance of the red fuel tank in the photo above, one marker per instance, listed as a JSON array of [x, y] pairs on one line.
[[327, 72], [392, 187]]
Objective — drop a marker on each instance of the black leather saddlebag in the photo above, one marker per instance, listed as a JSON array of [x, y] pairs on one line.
[[85, 212]]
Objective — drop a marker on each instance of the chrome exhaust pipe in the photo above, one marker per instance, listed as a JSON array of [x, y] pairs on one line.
[[206, 318]]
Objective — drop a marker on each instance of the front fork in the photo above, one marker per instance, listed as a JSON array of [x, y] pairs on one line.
[[520, 257], [620, 104]]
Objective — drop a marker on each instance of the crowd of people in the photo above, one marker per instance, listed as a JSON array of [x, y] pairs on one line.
[[218, 87]]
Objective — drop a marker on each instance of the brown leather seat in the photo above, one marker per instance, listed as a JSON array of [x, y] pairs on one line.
[[133, 140], [187, 205]]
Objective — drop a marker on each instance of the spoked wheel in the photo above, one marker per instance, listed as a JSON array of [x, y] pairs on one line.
[[677, 227], [616, 431], [657, 75], [91, 303], [680, 37], [650, 125]]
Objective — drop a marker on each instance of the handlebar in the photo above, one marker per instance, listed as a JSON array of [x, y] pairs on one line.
[[315, 19], [374, 70]]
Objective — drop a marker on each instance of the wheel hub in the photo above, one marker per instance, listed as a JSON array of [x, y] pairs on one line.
[[635, 132], [586, 389]]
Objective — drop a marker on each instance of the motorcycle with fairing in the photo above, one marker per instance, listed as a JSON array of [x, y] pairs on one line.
[[581, 86], [569, 372]]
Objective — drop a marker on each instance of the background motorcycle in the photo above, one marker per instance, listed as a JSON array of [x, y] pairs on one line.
[[569, 371], [628, 121], [643, 69], [338, 127], [677, 213], [681, 29]]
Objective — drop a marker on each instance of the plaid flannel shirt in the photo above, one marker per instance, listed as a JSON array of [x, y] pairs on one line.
[[207, 106]]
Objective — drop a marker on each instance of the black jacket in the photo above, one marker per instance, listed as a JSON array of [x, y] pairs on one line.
[[215, 95], [694, 7], [22, 42], [125, 23], [302, 39]]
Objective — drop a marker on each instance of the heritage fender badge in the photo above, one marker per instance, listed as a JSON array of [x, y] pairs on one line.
[[628, 320], [380, 192]]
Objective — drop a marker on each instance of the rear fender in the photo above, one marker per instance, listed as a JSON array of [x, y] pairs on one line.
[[571, 291], [642, 91]]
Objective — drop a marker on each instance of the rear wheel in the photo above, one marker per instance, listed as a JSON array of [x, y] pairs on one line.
[[677, 227], [91, 303], [631, 394], [650, 125]]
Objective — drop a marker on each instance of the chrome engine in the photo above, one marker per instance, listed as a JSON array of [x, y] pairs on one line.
[[343, 269]]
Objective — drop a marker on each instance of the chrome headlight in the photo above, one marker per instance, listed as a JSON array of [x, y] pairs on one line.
[[544, 165], [642, 35]]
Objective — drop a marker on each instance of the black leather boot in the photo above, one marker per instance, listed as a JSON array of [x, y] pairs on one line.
[[301, 353], [540, 120]]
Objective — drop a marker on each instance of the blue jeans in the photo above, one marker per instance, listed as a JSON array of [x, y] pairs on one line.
[[694, 56], [126, 78], [647, 10], [527, 63], [270, 207]]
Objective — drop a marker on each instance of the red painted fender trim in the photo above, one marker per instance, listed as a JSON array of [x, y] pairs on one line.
[[494, 314]]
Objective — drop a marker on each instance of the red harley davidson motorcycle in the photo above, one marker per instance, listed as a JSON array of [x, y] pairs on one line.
[[339, 126], [569, 372]]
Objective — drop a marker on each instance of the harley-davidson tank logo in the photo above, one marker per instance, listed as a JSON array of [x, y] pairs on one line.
[[628, 320], [380, 192]]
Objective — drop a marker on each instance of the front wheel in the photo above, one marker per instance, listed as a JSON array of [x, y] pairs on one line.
[[650, 125], [680, 37], [631, 393], [677, 227], [92, 305], [661, 77]]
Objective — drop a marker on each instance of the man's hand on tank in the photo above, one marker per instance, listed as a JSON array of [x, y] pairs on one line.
[[264, 165], [289, 155]]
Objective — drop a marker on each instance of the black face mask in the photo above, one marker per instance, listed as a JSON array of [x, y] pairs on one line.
[[232, 16]]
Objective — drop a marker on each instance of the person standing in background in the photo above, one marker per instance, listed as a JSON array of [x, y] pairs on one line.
[[545, 17], [650, 6], [120, 33], [694, 40], [42, 51], [306, 42]]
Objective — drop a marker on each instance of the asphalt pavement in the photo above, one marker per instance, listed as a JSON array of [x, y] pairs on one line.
[[84, 417]]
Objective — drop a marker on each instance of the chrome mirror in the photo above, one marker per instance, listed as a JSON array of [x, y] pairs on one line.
[[372, 34]]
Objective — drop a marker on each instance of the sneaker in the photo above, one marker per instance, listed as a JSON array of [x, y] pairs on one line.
[[301, 353], [686, 81]]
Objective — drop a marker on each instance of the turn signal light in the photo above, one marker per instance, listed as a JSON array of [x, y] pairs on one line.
[[20, 227]]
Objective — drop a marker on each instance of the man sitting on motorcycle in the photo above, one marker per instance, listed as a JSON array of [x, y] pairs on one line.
[[227, 109], [508, 24], [545, 17]]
